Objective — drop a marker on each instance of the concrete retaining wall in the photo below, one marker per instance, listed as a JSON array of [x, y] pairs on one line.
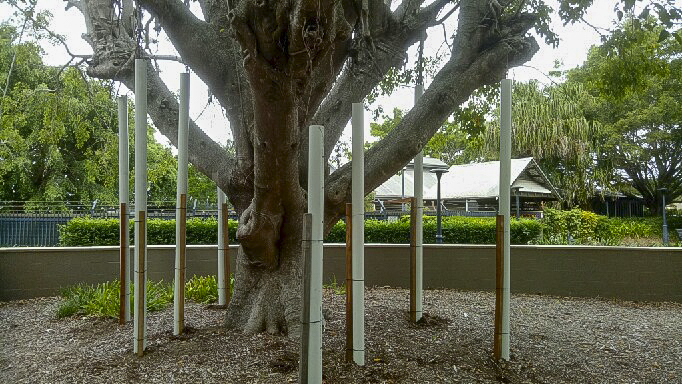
[[651, 274]]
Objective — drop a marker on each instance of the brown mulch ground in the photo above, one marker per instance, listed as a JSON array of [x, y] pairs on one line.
[[554, 340]]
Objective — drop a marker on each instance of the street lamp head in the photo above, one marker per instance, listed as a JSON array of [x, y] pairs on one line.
[[439, 171]]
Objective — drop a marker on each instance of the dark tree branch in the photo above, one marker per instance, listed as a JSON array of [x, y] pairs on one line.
[[162, 106], [365, 72], [114, 50], [467, 70]]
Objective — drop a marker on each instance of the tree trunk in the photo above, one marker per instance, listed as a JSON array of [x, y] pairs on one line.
[[268, 278], [269, 299]]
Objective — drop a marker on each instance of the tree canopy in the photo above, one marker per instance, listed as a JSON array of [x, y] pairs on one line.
[[636, 77], [58, 133], [59, 137]]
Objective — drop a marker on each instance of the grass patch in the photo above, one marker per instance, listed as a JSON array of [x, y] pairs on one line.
[[339, 289], [103, 300], [204, 289]]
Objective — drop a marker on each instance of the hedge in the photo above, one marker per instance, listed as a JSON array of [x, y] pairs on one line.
[[584, 228], [456, 230], [85, 231]]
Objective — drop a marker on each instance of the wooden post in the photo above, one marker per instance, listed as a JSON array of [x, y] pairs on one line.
[[226, 263], [413, 260], [499, 273], [140, 304], [349, 282], [305, 313], [124, 266]]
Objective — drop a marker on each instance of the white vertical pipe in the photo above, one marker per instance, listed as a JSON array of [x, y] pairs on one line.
[[222, 282], [419, 200], [505, 184], [316, 163], [123, 191], [140, 196], [180, 265], [358, 241]]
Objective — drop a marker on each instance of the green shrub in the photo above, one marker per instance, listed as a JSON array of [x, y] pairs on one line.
[[585, 228], [589, 228], [159, 295], [103, 300], [76, 298], [456, 230], [202, 289], [85, 231]]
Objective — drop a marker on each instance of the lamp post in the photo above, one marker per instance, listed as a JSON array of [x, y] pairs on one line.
[[516, 194], [665, 222], [439, 232], [402, 195]]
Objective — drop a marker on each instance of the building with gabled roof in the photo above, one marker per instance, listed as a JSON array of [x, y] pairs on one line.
[[473, 186]]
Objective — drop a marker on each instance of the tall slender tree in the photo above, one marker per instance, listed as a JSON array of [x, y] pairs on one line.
[[549, 124]]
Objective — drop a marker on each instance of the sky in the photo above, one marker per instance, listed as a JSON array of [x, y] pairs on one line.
[[572, 51]]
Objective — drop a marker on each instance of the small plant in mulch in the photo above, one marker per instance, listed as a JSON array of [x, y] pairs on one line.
[[103, 300], [338, 289], [428, 320], [284, 363]]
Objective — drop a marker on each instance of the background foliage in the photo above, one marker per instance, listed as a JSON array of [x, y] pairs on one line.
[[59, 136]]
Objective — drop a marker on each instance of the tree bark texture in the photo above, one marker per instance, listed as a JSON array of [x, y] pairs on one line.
[[277, 67]]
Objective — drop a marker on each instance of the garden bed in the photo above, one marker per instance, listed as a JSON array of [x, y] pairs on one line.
[[553, 340]]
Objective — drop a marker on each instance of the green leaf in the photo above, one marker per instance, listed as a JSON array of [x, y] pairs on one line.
[[678, 37], [629, 4], [644, 15], [663, 35]]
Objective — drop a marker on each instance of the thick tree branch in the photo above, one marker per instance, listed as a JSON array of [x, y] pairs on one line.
[[162, 106], [190, 35], [216, 58], [113, 59], [364, 73], [464, 73]]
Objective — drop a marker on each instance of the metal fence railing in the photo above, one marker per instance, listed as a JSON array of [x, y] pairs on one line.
[[40, 227], [394, 214], [34, 230]]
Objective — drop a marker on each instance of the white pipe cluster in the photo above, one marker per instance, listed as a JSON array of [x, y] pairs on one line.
[[123, 193], [140, 201], [223, 281], [505, 184], [358, 237], [316, 161], [180, 208], [419, 227]]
